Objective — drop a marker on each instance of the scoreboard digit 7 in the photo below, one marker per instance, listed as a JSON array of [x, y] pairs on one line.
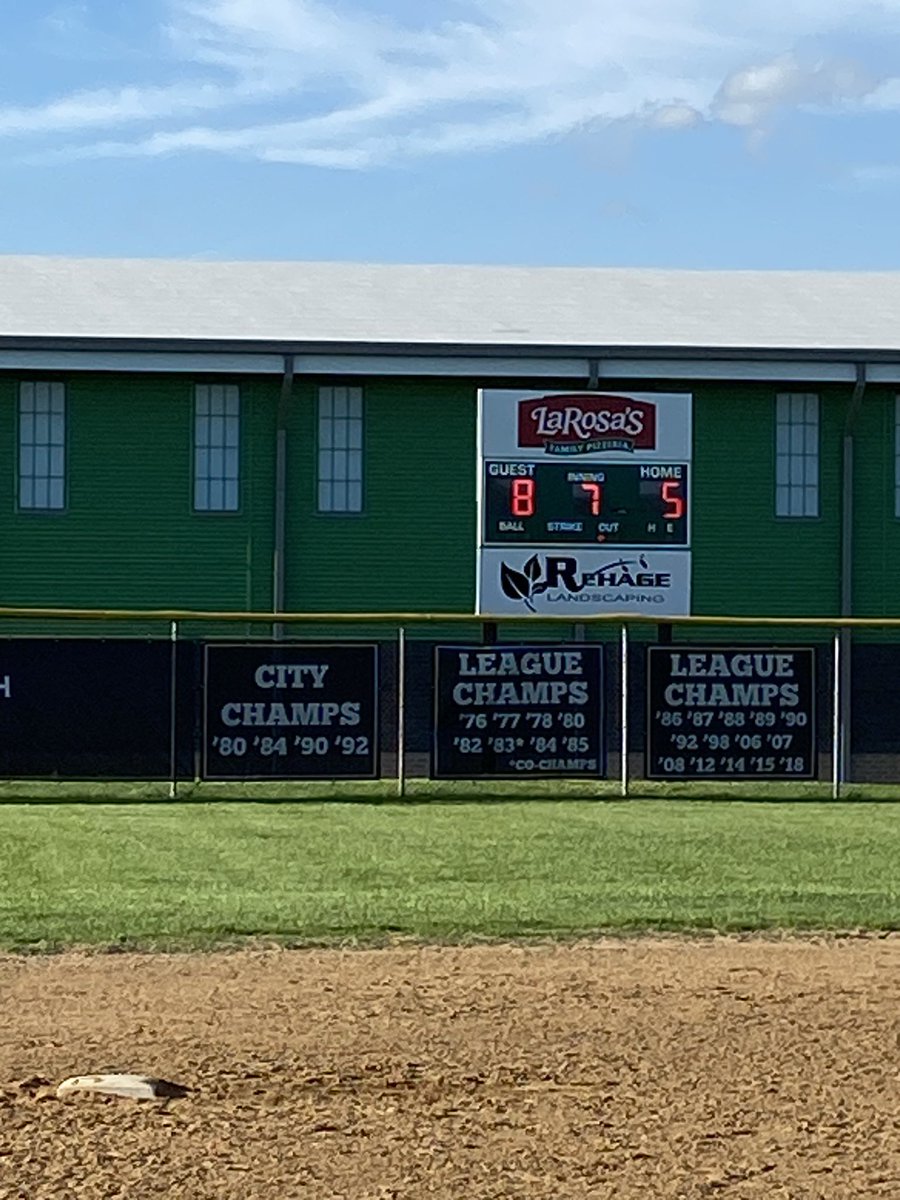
[[585, 504]]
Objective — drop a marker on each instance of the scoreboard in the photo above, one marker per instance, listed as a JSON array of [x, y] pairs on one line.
[[584, 503], [539, 504]]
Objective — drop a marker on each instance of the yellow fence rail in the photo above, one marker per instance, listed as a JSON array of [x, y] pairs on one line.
[[410, 618]]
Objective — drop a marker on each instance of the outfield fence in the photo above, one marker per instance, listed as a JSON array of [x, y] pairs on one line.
[[181, 696]]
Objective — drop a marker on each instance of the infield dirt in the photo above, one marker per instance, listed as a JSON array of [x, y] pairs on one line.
[[627, 1069]]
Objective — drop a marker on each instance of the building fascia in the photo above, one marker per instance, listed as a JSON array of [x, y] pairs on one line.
[[445, 361]]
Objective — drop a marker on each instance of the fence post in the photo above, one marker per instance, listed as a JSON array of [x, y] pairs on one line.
[[173, 711], [623, 669], [837, 724], [401, 712]]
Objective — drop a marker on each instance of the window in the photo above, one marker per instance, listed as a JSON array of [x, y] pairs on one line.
[[217, 426], [797, 455], [340, 449], [42, 446], [897, 456]]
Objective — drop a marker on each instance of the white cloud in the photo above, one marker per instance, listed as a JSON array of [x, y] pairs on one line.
[[675, 116], [66, 19], [84, 110], [749, 96], [874, 176], [886, 96], [333, 84]]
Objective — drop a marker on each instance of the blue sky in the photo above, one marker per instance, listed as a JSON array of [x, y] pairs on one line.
[[687, 133]]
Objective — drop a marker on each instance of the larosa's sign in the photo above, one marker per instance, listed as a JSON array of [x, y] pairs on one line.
[[586, 424]]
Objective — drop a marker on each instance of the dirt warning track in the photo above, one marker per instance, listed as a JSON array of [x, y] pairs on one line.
[[632, 1069]]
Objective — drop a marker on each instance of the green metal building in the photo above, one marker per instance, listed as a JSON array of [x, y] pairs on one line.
[[302, 437]]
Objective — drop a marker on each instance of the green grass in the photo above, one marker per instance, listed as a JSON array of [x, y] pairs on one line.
[[201, 874], [425, 790]]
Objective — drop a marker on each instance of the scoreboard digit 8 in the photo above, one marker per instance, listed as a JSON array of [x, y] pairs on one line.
[[588, 504]]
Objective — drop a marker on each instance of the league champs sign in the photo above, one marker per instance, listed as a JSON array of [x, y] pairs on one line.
[[741, 712], [584, 503], [283, 711], [510, 712]]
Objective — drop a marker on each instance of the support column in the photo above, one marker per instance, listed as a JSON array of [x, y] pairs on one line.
[[847, 555], [280, 530]]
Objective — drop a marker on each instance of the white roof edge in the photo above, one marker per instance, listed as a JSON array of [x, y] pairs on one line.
[[273, 303], [437, 265], [455, 366]]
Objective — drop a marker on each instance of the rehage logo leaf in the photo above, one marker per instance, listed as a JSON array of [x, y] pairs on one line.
[[521, 585]]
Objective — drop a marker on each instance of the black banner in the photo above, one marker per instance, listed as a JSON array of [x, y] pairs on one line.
[[78, 708], [738, 712], [510, 712], [290, 711]]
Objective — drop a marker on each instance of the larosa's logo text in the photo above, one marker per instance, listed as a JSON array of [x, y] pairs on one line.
[[587, 424]]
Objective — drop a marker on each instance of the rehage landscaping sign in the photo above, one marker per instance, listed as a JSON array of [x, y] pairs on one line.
[[580, 581]]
